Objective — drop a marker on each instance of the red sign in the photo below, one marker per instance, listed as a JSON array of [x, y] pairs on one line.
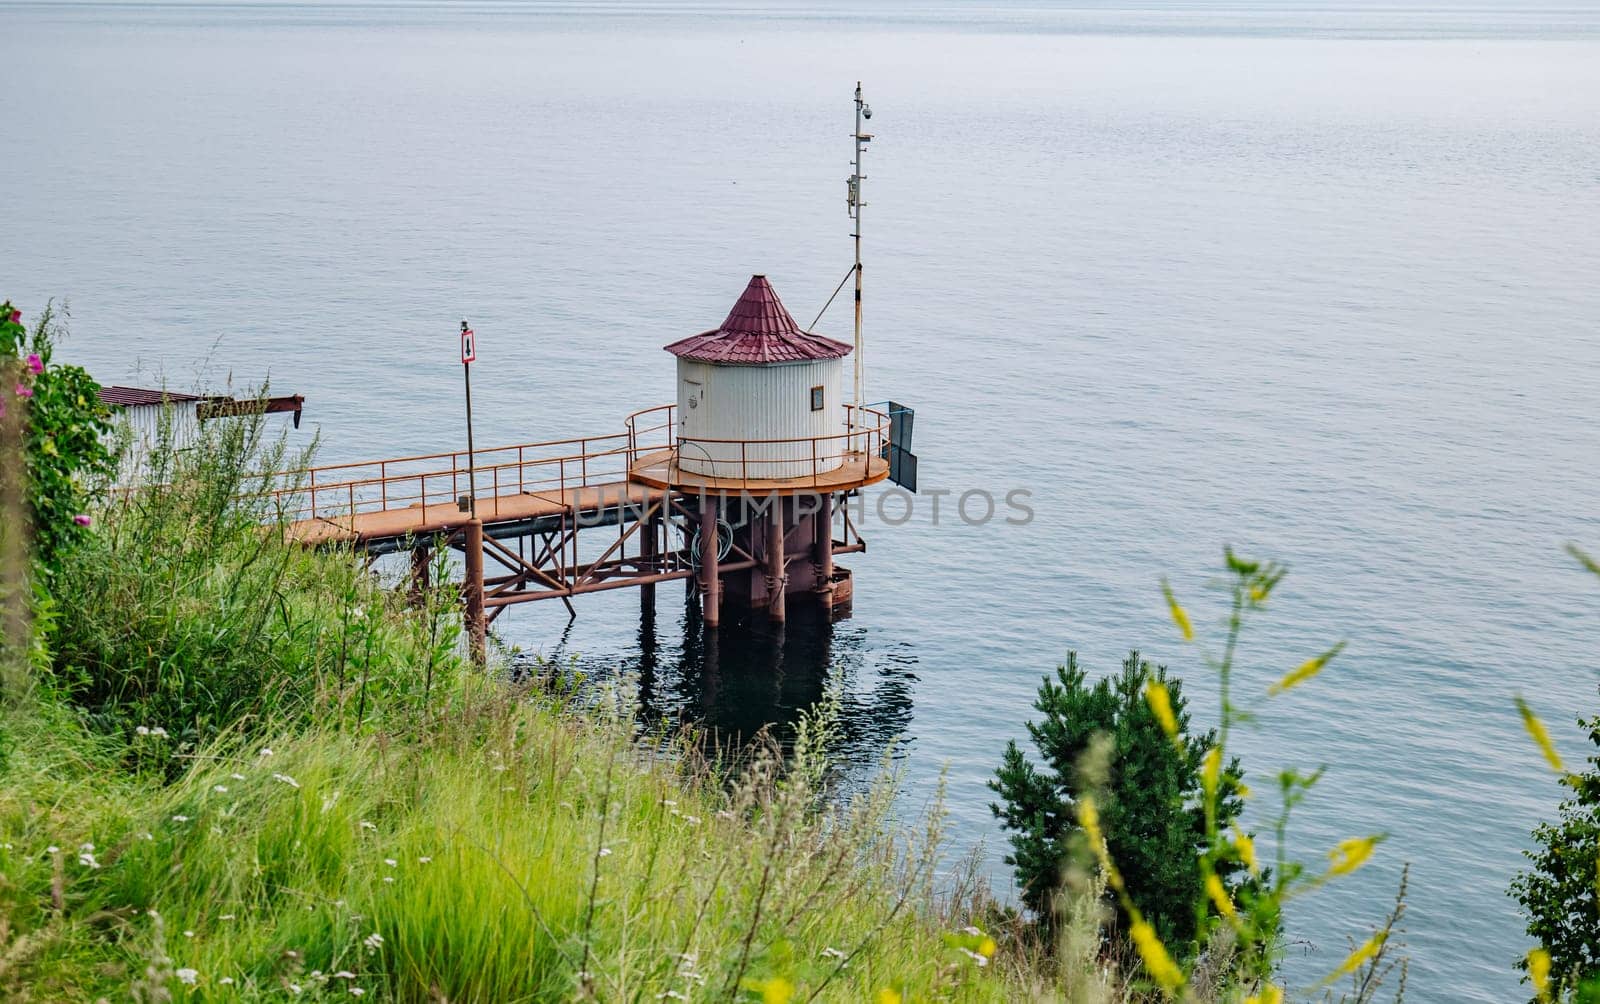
[[469, 346]]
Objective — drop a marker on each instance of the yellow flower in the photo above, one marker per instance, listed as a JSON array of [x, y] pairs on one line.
[[889, 995], [776, 990], [1541, 737], [1179, 617], [1220, 897], [1161, 704], [1350, 855], [1306, 670], [1246, 846], [1211, 769], [1270, 994], [986, 948], [1366, 950], [1156, 960], [1539, 972]]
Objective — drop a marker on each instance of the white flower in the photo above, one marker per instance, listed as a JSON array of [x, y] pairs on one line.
[[226, 981], [286, 779], [498, 767], [226, 916], [423, 860], [87, 860], [237, 776], [294, 988], [316, 974], [52, 849], [187, 976], [605, 852], [266, 752], [669, 803], [147, 835], [832, 953], [142, 731], [86, 847], [692, 820], [368, 825], [389, 879], [344, 974], [975, 932], [373, 941], [180, 819], [158, 731], [391, 862], [220, 789], [356, 991]]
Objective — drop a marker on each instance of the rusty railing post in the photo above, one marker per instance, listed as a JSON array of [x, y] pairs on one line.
[[477, 626]]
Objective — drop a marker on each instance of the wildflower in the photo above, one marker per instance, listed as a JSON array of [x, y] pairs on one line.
[[1246, 847], [16, 316], [82, 519], [987, 948], [52, 849], [1156, 960], [187, 976], [180, 819], [1155, 692], [286, 779], [373, 941], [391, 862], [1541, 737], [220, 789], [1179, 616], [35, 364], [389, 879], [975, 932], [141, 731], [264, 752], [237, 776], [832, 953], [1351, 854], [188, 934], [1270, 994], [356, 991], [888, 995], [294, 988], [669, 803], [1306, 670], [226, 916], [226, 981], [1219, 896], [1365, 951], [774, 991], [1539, 972], [86, 858], [23, 390], [344, 974], [423, 860], [605, 852], [692, 820], [368, 825]]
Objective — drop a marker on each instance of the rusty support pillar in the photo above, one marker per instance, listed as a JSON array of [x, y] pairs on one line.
[[477, 626], [710, 584], [647, 561], [777, 574], [823, 546]]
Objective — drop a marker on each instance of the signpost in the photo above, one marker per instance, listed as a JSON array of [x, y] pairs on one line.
[[469, 352]]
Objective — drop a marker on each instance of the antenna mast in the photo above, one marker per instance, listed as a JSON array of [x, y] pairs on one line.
[[854, 204]]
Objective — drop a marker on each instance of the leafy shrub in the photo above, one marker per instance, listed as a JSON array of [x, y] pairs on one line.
[[1150, 805]]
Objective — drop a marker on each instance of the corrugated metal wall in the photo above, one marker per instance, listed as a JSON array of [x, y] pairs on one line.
[[143, 425], [759, 402]]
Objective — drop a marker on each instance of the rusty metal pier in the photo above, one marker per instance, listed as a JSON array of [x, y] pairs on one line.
[[561, 518]]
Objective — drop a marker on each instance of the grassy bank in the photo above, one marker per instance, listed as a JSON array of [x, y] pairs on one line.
[[245, 771]]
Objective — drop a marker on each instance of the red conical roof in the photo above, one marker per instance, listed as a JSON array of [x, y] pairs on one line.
[[758, 331]]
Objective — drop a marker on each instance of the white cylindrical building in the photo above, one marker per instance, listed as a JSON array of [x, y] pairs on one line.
[[758, 398]]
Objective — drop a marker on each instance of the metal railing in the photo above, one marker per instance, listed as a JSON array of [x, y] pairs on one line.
[[794, 459], [335, 491]]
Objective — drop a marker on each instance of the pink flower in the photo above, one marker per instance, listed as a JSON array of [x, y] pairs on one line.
[[16, 316], [23, 390], [82, 520], [35, 364]]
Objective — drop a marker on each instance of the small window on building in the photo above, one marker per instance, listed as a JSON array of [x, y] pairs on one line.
[[816, 399]]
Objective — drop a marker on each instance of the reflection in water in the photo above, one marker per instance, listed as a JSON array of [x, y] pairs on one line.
[[750, 674]]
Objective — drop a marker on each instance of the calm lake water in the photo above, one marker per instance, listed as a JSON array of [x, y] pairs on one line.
[[1316, 282]]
